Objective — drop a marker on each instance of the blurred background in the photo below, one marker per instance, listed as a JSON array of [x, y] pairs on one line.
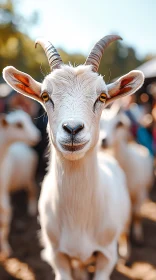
[[73, 28]]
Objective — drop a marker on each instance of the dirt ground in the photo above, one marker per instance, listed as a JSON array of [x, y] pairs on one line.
[[26, 264]]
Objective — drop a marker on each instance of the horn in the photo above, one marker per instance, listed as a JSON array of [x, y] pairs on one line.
[[54, 58], [96, 53]]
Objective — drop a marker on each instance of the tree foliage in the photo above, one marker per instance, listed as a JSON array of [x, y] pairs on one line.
[[117, 60], [17, 49]]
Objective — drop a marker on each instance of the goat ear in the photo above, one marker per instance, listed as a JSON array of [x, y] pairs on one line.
[[126, 85], [22, 82]]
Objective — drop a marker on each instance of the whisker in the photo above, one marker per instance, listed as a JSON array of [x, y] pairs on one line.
[[41, 70], [43, 115], [109, 76]]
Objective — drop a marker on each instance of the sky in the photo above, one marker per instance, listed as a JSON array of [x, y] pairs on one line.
[[77, 25]]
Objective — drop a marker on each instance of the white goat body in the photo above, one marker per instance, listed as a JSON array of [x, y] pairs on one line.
[[84, 205], [17, 168], [21, 161], [134, 159]]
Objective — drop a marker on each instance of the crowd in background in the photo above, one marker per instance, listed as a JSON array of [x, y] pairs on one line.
[[142, 114]]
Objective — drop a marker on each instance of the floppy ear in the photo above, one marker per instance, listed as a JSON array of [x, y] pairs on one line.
[[126, 85], [22, 82]]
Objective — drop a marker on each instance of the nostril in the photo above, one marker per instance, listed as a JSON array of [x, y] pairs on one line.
[[73, 129], [67, 128], [78, 128], [104, 143]]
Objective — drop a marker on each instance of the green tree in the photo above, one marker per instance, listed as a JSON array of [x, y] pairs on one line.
[[17, 48], [117, 60]]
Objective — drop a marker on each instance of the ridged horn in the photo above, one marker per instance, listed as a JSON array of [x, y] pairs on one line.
[[96, 53], [54, 58]]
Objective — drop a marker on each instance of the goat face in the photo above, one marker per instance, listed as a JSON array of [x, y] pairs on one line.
[[74, 109], [74, 97], [20, 128], [114, 127]]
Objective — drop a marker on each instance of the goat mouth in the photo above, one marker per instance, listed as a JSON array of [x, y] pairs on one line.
[[73, 148]]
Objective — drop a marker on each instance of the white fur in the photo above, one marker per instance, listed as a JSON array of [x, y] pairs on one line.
[[84, 205], [134, 159], [18, 164], [80, 211]]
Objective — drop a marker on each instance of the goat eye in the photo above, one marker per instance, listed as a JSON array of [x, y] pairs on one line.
[[19, 125], [119, 124], [103, 97], [45, 96]]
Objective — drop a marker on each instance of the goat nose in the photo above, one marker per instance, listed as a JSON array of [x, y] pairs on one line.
[[104, 143], [73, 129]]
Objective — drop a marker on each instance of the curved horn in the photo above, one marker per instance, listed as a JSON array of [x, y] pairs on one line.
[[96, 53], [54, 58]]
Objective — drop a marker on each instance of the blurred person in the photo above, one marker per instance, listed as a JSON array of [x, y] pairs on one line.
[[141, 122], [145, 133], [154, 128], [2, 105]]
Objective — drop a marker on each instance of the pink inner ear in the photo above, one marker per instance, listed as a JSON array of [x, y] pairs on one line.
[[24, 86], [26, 89], [22, 79], [126, 81], [124, 89]]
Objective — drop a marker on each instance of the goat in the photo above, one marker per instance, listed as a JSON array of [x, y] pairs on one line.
[[135, 160], [84, 204], [18, 164]]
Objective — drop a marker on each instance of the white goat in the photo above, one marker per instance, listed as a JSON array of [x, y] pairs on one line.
[[18, 164], [134, 159], [84, 204]]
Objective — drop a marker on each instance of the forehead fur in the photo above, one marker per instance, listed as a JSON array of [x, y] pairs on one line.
[[81, 76]]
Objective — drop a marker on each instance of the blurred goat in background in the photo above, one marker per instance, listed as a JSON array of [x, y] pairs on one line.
[[135, 159], [18, 163]]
